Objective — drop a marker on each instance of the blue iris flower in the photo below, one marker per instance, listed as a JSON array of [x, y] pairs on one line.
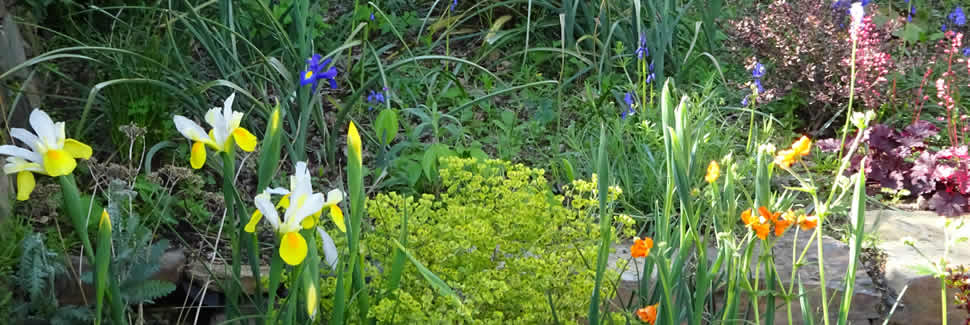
[[642, 51], [757, 83], [631, 104], [372, 16], [375, 97], [758, 71], [315, 72], [957, 17], [454, 4], [650, 76], [912, 11]]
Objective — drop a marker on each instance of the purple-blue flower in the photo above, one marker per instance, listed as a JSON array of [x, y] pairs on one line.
[[372, 16], [943, 28], [650, 76], [912, 11], [758, 71], [957, 17], [630, 105], [744, 101], [375, 97], [757, 83], [966, 51], [454, 4], [642, 50], [315, 72]]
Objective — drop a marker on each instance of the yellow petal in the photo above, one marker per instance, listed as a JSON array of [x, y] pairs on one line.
[[309, 222], [337, 216], [274, 121], [105, 219], [284, 202], [197, 157], [311, 300], [58, 162], [77, 149], [353, 141], [25, 185], [246, 141], [293, 248], [253, 220]]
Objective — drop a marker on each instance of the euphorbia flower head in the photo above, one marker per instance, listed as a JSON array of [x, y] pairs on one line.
[[51, 152], [225, 124]]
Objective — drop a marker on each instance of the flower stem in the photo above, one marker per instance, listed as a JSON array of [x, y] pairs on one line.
[[232, 289]]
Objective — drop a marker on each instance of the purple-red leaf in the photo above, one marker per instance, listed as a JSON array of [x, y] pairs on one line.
[[946, 203]]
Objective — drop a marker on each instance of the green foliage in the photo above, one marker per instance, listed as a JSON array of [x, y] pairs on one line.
[[38, 268], [487, 235]]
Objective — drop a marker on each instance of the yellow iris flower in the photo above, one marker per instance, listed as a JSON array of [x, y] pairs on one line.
[[303, 202], [225, 124], [51, 152]]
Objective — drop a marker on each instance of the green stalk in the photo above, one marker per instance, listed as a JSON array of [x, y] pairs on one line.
[[233, 231], [355, 180], [101, 261], [397, 265], [275, 275], [605, 230], [76, 210], [300, 11], [857, 216], [269, 157]]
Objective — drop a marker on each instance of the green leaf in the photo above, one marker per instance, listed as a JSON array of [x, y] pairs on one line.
[[429, 162], [149, 290], [432, 279], [386, 126], [911, 33]]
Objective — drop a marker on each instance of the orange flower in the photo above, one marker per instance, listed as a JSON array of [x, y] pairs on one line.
[[807, 222], [648, 314], [761, 229], [802, 147], [746, 217], [786, 220], [713, 172], [641, 247], [768, 215], [785, 158]]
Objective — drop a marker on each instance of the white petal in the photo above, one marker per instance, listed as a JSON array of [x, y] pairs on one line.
[[217, 120], [234, 120], [227, 114], [190, 129], [266, 207], [212, 116], [16, 165], [59, 135], [334, 197], [44, 127], [329, 249], [14, 151], [27, 137], [297, 211], [277, 191], [300, 181]]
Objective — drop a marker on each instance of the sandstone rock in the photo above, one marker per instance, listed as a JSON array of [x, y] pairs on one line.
[[70, 293], [201, 271], [921, 302]]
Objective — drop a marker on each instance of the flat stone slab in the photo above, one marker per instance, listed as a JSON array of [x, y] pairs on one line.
[[201, 272], [921, 302]]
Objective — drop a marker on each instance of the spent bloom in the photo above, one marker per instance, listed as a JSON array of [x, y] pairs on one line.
[[641, 247], [225, 125], [315, 72], [51, 152], [713, 172], [303, 203], [648, 314]]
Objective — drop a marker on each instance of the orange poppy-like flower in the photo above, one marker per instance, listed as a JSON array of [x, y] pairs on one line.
[[648, 314], [641, 247], [713, 172], [802, 147], [746, 217], [807, 222], [761, 229], [768, 215], [786, 220]]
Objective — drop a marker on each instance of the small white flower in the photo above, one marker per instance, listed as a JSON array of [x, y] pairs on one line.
[[857, 12]]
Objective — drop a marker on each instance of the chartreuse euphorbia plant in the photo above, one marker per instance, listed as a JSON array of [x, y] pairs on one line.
[[225, 135]]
